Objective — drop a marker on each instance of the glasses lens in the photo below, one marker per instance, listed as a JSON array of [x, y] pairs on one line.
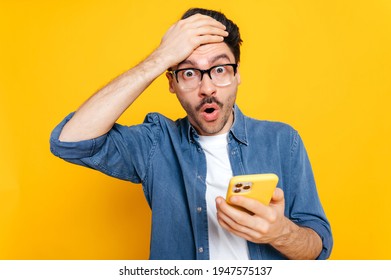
[[222, 75], [189, 78]]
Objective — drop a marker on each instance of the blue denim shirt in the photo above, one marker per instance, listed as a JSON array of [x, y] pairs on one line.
[[166, 158]]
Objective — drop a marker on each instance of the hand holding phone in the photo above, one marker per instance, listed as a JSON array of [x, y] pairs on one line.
[[257, 186]]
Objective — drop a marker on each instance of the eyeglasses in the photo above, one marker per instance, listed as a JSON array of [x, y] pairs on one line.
[[220, 75]]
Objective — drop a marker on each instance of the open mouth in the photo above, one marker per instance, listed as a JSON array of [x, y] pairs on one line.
[[209, 110]]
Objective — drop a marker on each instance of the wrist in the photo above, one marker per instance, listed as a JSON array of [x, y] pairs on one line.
[[288, 232], [162, 59]]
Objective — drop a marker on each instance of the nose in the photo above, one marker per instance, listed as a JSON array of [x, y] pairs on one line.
[[207, 88]]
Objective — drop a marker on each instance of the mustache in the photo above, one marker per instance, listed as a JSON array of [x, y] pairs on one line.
[[209, 100]]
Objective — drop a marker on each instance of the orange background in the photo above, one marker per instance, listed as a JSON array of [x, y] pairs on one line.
[[322, 66]]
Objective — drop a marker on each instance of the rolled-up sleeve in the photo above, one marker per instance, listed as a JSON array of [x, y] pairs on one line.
[[123, 152], [305, 207], [73, 150]]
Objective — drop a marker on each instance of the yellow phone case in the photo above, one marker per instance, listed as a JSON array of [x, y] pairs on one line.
[[256, 186]]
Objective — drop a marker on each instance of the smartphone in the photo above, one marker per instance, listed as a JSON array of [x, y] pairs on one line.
[[256, 186]]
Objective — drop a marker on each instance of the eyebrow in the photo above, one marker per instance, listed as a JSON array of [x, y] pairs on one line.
[[213, 60]]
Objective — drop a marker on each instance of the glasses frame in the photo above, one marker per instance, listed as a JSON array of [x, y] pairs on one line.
[[207, 71]]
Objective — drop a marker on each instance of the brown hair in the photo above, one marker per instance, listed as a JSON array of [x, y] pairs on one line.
[[233, 39]]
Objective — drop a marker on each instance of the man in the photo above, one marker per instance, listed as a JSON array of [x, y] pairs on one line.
[[185, 165]]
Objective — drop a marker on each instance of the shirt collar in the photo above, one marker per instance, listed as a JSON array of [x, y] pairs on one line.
[[239, 128]]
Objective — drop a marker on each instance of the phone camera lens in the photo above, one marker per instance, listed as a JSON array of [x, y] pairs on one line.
[[237, 190]]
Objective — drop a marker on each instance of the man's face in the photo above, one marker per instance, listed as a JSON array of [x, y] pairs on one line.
[[208, 107]]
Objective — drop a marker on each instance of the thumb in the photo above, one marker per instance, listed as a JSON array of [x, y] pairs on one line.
[[278, 196]]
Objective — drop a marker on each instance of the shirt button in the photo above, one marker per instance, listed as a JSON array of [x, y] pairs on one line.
[[199, 209], [200, 250]]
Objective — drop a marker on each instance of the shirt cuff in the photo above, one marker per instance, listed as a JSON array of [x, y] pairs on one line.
[[73, 150], [325, 236]]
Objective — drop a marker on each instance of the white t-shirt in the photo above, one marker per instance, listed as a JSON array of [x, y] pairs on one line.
[[223, 245]]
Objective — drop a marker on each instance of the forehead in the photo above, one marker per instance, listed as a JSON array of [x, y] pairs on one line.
[[208, 55]]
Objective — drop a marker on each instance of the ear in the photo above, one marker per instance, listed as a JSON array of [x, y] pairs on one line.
[[170, 82]]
